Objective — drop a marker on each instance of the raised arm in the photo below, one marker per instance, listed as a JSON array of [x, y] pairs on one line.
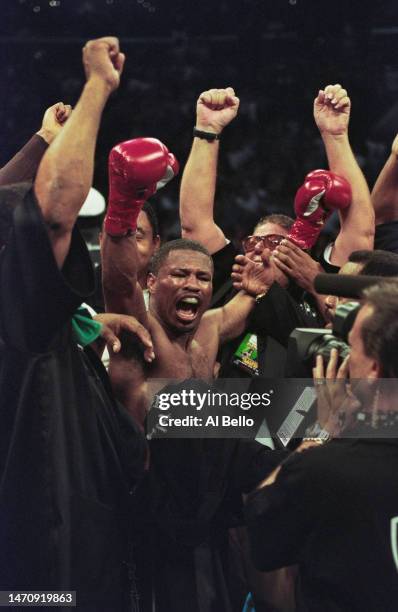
[[65, 173], [357, 222], [136, 169], [122, 291], [215, 109], [385, 191], [23, 166]]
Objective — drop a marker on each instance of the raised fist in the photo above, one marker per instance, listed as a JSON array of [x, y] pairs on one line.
[[102, 59], [216, 108], [137, 169], [332, 110], [53, 120]]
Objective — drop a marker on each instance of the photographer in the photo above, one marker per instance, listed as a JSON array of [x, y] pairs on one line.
[[331, 509]]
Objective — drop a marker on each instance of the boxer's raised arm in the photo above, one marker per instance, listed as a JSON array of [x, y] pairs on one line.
[[122, 291], [357, 221], [215, 109], [385, 191], [65, 173], [136, 169], [23, 166]]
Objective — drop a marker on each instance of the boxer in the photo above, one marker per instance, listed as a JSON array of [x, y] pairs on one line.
[[153, 168], [185, 335]]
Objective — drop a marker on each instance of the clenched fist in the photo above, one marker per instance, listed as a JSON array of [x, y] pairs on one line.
[[102, 59], [53, 120], [216, 108], [332, 110]]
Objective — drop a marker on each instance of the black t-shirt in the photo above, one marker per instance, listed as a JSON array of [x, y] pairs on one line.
[[191, 497], [271, 322], [332, 511], [386, 236], [327, 267], [69, 456], [223, 261], [322, 245], [96, 300]]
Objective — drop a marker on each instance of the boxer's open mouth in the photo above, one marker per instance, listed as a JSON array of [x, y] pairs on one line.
[[187, 309]]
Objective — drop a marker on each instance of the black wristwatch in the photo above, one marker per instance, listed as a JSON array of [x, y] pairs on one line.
[[209, 136]]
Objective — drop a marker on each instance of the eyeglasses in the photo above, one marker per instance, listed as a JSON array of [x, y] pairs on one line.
[[269, 242]]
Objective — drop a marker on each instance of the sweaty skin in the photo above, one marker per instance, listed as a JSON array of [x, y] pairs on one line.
[[147, 244], [185, 337]]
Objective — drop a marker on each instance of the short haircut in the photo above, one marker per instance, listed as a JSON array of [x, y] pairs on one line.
[[380, 330], [181, 244], [376, 263], [152, 218], [282, 220]]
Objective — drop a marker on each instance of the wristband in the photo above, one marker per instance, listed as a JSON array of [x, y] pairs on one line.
[[316, 432], [260, 296], [209, 136], [319, 441]]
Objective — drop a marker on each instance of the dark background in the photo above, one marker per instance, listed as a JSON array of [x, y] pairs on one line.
[[275, 53]]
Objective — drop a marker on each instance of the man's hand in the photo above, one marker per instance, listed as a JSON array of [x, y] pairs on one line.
[[297, 264], [103, 60], [114, 325], [216, 108], [336, 403], [332, 110], [53, 120], [252, 277]]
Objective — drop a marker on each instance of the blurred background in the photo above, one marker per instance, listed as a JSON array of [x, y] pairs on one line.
[[276, 54]]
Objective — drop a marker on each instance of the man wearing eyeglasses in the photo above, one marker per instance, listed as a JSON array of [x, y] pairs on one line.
[[251, 354], [280, 310]]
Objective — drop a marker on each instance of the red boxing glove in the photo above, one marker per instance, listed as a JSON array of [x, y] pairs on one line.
[[137, 169], [321, 193]]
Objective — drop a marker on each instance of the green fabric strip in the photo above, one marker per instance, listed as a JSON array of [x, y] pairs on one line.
[[85, 329]]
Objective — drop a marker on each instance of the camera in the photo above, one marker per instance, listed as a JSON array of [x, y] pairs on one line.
[[305, 343]]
